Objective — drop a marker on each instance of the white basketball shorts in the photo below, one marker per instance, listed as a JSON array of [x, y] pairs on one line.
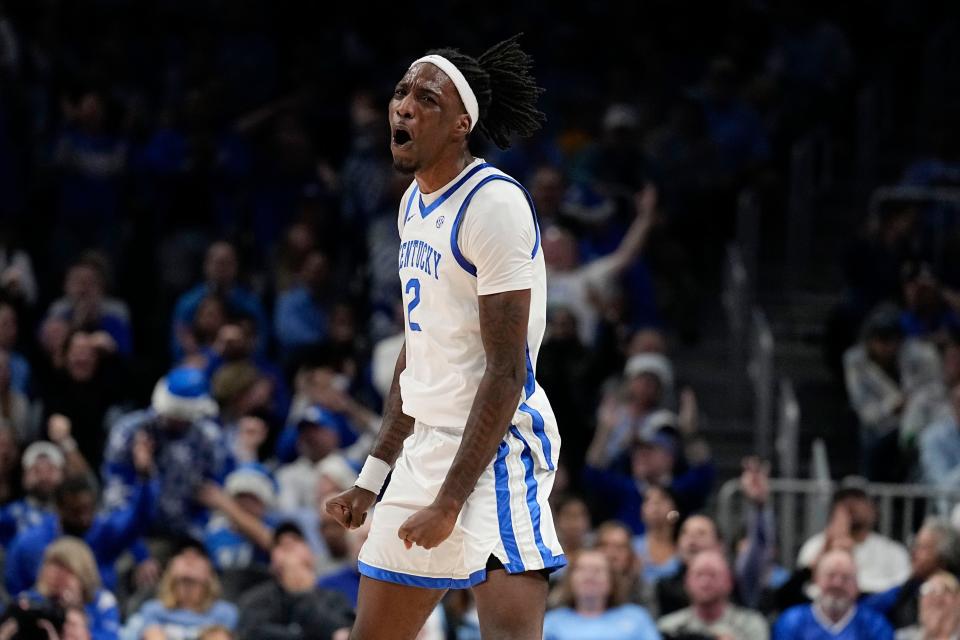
[[506, 516]]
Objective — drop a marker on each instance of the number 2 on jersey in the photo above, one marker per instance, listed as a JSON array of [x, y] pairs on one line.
[[413, 284]]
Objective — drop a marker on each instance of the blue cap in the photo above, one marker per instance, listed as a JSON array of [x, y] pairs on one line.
[[187, 382], [317, 415]]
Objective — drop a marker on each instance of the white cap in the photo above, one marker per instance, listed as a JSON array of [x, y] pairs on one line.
[[42, 449], [338, 470], [654, 364], [252, 481]]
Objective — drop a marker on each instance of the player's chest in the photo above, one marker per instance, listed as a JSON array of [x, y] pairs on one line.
[[425, 247]]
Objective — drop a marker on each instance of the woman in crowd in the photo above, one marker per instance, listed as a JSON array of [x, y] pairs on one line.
[[187, 602], [69, 579], [615, 539], [939, 610], [592, 605], [657, 546]]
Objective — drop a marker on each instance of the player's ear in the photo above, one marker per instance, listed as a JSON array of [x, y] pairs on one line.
[[463, 125]]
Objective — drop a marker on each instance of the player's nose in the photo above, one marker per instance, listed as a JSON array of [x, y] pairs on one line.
[[405, 106]]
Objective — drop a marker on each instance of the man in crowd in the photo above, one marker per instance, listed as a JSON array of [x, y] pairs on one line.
[[709, 583], [188, 448], [881, 563], [108, 533], [834, 614], [291, 606], [221, 269], [935, 548], [940, 446], [42, 464]]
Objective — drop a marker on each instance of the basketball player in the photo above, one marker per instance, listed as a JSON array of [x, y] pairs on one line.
[[469, 435]]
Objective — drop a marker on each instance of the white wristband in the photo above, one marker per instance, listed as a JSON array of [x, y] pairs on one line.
[[373, 475]]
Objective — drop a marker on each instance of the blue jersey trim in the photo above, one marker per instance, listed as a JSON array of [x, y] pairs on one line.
[[533, 505], [455, 227], [539, 430], [406, 214], [426, 210], [411, 580], [514, 562], [530, 384]]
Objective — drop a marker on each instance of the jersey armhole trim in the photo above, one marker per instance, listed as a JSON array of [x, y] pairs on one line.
[[455, 228]]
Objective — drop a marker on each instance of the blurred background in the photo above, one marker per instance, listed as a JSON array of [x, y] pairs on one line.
[[749, 212]]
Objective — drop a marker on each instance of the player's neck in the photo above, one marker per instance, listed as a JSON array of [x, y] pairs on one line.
[[445, 169]]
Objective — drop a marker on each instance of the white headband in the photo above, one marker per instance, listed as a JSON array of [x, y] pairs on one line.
[[459, 81]]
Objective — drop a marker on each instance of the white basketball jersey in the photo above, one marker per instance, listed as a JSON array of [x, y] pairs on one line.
[[444, 353]]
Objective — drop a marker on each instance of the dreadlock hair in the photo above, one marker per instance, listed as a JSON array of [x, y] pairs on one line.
[[506, 90]]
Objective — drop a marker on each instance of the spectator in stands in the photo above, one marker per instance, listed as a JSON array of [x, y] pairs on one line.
[[9, 453], [20, 369], [68, 578], [579, 286], [757, 571], [697, 533], [882, 373], [302, 315], [926, 314], [940, 446], [92, 160], [346, 581], [297, 243], [935, 548], [656, 457], [735, 127], [593, 605], [318, 437], [188, 601], [572, 519], [43, 465], [221, 269], [939, 609], [835, 612], [243, 395], [17, 279], [632, 408], [614, 540], [709, 583], [237, 342], [291, 605], [239, 534], [89, 385], [211, 316], [110, 533], [657, 545], [881, 563], [15, 408], [328, 387], [932, 403], [188, 448], [85, 304]]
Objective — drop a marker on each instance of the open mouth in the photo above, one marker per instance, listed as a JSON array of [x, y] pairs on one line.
[[401, 137]]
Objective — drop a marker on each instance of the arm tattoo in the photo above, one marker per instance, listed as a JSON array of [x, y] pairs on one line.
[[396, 425], [503, 329]]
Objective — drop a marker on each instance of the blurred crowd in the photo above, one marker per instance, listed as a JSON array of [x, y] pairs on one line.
[[199, 316]]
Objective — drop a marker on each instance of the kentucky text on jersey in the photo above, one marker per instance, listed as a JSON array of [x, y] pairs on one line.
[[420, 255]]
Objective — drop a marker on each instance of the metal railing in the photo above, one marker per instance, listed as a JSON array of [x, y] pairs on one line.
[[899, 507], [788, 431], [736, 303], [760, 372]]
